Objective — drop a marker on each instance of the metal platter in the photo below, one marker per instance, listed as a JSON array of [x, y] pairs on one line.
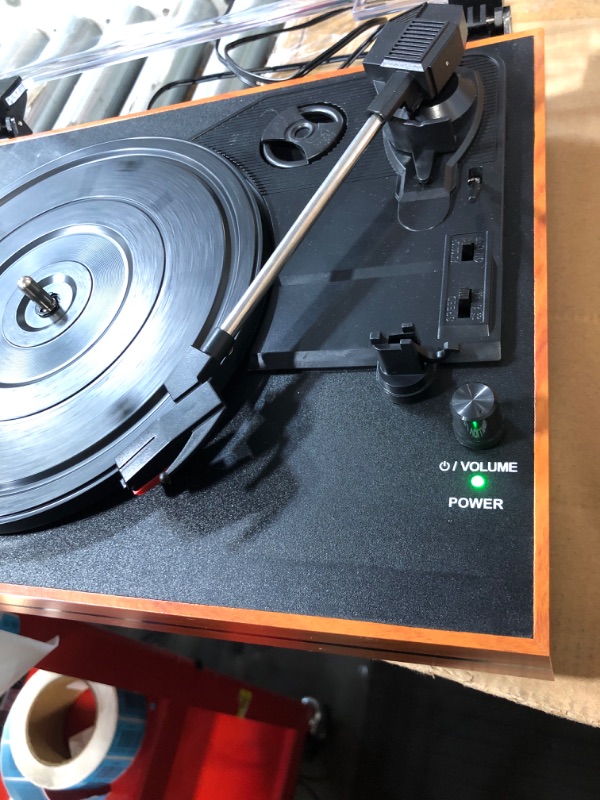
[[143, 245]]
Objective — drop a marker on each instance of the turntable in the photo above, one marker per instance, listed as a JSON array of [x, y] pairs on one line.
[[359, 462]]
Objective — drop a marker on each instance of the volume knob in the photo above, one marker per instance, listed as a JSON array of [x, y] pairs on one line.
[[476, 417]]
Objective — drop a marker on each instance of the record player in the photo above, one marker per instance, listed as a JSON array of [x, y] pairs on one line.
[[362, 464]]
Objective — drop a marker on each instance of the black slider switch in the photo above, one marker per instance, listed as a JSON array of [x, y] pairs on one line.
[[476, 417], [465, 298]]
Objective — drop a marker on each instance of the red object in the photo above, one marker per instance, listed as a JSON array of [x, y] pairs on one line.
[[208, 737], [146, 487], [81, 715]]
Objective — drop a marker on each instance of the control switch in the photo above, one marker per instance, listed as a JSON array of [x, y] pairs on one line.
[[465, 298], [476, 417]]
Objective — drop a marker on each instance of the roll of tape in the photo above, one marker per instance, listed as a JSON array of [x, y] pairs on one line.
[[37, 733], [18, 787]]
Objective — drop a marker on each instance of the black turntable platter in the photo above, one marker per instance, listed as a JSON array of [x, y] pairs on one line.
[[144, 244]]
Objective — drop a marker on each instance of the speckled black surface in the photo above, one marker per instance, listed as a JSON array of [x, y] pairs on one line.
[[320, 497]]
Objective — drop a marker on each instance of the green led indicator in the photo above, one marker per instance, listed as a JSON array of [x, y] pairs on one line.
[[474, 425], [477, 481]]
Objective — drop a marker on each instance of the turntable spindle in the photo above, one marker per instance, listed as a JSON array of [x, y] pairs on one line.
[[47, 303]]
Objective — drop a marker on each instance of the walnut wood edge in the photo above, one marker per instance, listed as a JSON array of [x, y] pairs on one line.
[[541, 590], [275, 628]]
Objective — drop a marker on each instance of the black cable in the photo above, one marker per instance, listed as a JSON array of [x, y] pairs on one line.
[[325, 56], [186, 82], [360, 51], [248, 77], [253, 79], [257, 77], [220, 75], [234, 70]]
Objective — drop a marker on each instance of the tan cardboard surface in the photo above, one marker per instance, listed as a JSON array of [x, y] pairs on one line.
[[572, 32]]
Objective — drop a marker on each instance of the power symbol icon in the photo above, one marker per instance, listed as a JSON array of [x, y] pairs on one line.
[[445, 466]]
